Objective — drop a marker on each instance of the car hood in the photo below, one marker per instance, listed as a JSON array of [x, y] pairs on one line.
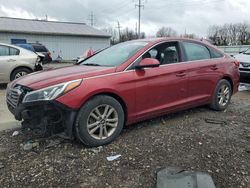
[[243, 58], [51, 77]]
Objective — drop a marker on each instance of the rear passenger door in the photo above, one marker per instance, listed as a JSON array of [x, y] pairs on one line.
[[203, 71]]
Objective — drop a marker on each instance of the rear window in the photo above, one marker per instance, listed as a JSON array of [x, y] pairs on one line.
[[215, 53], [40, 48], [14, 51]]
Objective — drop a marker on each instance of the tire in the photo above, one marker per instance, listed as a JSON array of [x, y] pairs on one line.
[[90, 123], [19, 72], [222, 95]]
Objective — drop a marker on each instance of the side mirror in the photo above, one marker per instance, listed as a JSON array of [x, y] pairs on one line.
[[148, 62]]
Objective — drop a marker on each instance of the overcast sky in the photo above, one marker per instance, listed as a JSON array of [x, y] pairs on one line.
[[194, 16]]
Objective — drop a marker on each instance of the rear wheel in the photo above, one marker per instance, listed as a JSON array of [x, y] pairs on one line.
[[99, 121], [19, 73], [222, 95]]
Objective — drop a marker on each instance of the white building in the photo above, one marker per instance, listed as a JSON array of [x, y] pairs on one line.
[[66, 39]]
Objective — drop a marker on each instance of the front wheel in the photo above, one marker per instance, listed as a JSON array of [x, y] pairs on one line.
[[222, 95], [99, 121]]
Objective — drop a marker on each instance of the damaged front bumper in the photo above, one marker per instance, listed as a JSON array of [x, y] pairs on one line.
[[45, 117]]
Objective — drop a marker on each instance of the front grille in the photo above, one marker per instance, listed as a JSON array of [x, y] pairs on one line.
[[13, 97], [245, 69], [245, 64]]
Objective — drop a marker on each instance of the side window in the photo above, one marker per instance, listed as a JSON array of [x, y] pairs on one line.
[[14, 51], [196, 51], [170, 55], [166, 53], [4, 51], [215, 53], [153, 53]]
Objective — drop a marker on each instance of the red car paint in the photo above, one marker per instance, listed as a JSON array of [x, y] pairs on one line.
[[145, 93]]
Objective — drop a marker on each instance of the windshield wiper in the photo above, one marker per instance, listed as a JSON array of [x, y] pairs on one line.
[[91, 64]]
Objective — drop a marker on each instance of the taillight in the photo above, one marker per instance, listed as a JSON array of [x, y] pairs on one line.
[[49, 54], [237, 63]]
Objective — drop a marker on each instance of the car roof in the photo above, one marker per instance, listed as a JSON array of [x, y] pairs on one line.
[[10, 45], [18, 47], [156, 40], [35, 44], [152, 41]]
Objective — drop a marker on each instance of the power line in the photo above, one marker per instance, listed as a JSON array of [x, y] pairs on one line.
[[113, 9], [139, 18]]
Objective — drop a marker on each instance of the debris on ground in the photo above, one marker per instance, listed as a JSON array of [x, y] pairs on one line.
[[15, 133], [215, 121], [174, 177], [54, 142], [28, 146], [114, 157], [1, 165], [96, 150]]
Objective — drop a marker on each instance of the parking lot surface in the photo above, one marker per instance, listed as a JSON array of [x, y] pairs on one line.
[[198, 139], [7, 121]]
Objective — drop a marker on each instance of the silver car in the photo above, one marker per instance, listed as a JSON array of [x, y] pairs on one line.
[[244, 59], [16, 62]]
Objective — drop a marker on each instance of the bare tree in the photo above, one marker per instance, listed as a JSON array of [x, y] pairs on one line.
[[191, 36], [166, 32], [230, 34], [244, 33], [113, 33], [128, 34]]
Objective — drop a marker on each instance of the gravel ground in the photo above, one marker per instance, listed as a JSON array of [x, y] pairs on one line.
[[198, 139]]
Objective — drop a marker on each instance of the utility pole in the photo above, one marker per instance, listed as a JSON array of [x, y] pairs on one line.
[[119, 30], [139, 20], [91, 19], [136, 29]]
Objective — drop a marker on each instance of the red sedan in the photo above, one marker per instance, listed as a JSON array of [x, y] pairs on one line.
[[124, 84]]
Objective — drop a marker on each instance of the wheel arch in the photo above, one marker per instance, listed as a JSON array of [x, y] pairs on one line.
[[19, 67], [115, 96], [226, 77]]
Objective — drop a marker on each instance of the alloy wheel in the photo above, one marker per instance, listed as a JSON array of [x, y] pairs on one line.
[[223, 95], [102, 122], [20, 74]]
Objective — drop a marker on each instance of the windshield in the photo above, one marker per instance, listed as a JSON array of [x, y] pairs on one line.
[[247, 51], [115, 55]]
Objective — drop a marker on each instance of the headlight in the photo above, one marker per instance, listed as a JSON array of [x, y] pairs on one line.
[[51, 92]]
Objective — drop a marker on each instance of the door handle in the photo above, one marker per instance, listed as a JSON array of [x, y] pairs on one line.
[[214, 67], [181, 74], [10, 60]]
